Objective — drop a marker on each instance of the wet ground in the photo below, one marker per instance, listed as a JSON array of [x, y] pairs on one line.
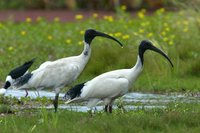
[[131, 101]]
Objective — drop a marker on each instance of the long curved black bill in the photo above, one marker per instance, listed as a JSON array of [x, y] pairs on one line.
[[162, 53], [108, 36]]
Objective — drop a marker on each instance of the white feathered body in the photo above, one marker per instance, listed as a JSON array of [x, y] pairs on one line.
[[59, 73], [109, 86]]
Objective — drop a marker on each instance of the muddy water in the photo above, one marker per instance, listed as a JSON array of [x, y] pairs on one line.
[[131, 101]]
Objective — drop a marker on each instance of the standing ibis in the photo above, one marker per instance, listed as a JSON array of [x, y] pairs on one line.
[[110, 85], [62, 72]]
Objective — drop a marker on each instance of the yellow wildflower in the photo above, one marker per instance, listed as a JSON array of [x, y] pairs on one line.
[[141, 30], [143, 24], [185, 22], [167, 29], [56, 19], [105, 17], [79, 17], [185, 29], [28, 20], [49, 37], [68, 41], [171, 42], [80, 43], [162, 10], [135, 33], [143, 10], [117, 34], [150, 34], [141, 15], [95, 15], [163, 33], [123, 7], [23, 33], [81, 32], [125, 37], [110, 18], [10, 48], [38, 19]]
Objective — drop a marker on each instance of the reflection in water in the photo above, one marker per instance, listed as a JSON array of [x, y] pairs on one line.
[[131, 101]]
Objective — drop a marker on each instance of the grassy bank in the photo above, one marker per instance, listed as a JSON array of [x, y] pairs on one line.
[[177, 33], [176, 117]]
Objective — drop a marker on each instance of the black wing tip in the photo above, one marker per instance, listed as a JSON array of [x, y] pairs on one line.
[[21, 70], [23, 80], [30, 62]]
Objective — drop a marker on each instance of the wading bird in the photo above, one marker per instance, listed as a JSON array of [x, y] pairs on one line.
[[62, 72], [110, 85]]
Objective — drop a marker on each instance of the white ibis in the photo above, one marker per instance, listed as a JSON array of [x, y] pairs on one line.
[[110, 85], [62, 72], [15, 75]]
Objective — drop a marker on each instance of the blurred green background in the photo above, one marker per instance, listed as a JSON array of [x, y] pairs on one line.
[[110, 5]]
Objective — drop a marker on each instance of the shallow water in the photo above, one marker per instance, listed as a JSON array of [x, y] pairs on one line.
[[131, 101], [31, 94]]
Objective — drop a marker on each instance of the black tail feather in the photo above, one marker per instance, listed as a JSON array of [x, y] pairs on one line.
[[21, 70], [29, 63]]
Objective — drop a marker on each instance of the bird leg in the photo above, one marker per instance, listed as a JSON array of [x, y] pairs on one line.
[[26, 93], [90, 112], [106, 108], [55, 102], [110, 108], [38, 93]]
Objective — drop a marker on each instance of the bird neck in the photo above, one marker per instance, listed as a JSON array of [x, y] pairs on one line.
[[139, 63], [87, 50], [136, 70]]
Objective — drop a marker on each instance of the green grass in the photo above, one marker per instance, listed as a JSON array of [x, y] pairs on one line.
[[177, 33], [176, 117]]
